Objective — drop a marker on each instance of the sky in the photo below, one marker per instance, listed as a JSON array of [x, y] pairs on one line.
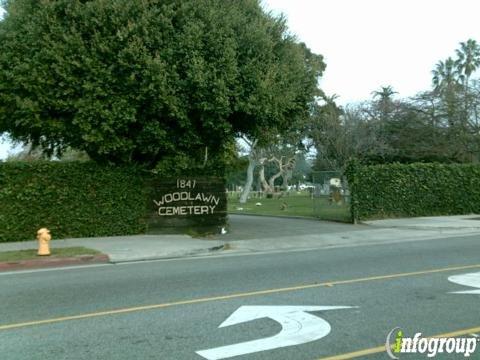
[[367, 44]]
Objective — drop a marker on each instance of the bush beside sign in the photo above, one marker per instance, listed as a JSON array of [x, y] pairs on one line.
[[72, 199], [408, 190]]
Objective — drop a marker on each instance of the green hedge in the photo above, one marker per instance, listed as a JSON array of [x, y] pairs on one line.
[[399, 190], [72, 199]]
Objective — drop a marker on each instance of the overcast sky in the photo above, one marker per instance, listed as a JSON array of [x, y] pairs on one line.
[[372, 43]]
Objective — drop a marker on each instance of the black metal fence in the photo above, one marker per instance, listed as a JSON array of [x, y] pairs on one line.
[[331, 196]]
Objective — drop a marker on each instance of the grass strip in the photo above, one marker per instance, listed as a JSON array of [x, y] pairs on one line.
[[19, 255]]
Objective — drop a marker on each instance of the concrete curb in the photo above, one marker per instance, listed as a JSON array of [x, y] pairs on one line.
[[53, 262], [426, 227], [291, 217], [171, 256]]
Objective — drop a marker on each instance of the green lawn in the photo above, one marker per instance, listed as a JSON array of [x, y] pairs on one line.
[[296, 205], [56, 253]]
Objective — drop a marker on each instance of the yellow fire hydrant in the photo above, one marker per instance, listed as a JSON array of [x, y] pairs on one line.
[[43, 237]]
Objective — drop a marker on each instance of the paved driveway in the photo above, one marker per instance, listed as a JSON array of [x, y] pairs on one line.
[[245, 227]]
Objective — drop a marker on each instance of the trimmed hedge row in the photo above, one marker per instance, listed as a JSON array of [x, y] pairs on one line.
[[72, 199], [404, 190]]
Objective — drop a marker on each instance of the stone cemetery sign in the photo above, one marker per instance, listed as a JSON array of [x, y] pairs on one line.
[[179, 204]]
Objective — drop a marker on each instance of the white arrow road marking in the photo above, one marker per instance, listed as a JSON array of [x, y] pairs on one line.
[[298, 327], [471, 279]]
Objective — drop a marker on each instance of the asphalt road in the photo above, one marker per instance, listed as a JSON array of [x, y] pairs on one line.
[[172, 309]]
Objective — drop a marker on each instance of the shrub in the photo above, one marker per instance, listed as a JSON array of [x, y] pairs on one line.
[[72, 199], [404, 190]]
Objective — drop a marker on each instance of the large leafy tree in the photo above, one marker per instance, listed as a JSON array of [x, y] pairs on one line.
[[149, 80], [328, 134]]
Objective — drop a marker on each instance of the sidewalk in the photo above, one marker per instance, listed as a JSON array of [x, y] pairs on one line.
[[131, 248], [254, 234]]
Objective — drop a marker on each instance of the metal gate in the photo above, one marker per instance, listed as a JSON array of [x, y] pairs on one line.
[[331, 196]]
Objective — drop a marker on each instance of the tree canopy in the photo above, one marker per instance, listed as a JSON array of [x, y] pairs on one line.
[[149, 80], [441, 124]]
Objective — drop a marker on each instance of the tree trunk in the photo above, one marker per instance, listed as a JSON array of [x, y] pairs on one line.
[[283, 171], [248, 183], [285, 177], [271, 181], [261, 176], [252, 163]]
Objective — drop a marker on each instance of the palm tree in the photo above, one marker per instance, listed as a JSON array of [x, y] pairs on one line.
[[468, 60], [385, 93], [385, 102], [331, 105], [445, 76]]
